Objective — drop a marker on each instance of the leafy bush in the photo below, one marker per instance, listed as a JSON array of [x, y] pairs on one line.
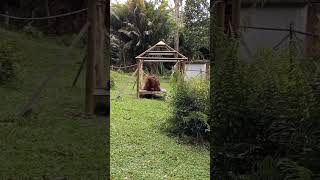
[[190, 101], [265, 119], [9, 58]]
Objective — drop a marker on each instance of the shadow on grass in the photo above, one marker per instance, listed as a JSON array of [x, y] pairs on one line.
[[154, 97]]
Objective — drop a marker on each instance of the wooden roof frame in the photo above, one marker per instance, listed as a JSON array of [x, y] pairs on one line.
[[157, 56], [170, 51]]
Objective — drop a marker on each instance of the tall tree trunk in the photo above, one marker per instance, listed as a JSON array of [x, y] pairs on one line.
[[177, 14]]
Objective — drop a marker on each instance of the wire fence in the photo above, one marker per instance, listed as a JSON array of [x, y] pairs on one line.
[[35, 95], [291, 38]]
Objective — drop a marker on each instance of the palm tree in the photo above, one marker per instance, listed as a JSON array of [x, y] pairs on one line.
[[136, 25]]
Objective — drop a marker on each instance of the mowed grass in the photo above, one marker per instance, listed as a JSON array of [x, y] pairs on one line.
[[57, 139], [140, 148]]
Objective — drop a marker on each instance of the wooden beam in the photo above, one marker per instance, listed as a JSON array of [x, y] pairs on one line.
[[140, 55], [146, 60], [80, 69], [236, 6], [220, 14], [177, 51], [92, 56], [100, 30], [138, 78], [161, 58], [161, 54], [163, 51]]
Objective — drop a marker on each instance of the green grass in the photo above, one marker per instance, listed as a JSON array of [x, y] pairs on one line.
[[140, 149], [57, 140]]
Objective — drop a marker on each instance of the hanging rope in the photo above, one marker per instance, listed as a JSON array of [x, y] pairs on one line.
[[47, 17]]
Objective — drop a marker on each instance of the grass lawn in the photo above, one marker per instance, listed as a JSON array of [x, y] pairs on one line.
[[140, 149], [57, 140]]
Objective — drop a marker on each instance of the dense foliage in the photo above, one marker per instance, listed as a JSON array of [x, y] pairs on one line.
[[195, 32], [136, 26], [265, 119], [190, 100]]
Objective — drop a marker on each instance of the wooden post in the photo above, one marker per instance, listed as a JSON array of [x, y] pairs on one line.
[[220, 13], [291, 42], [141, 74], [7, 20], [47, 8], [207, 71], [236, 6], [92, 56], [138, 79], [99, 65], [177, 14]]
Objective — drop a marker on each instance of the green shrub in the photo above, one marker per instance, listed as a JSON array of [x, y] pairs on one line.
[[190, 101], [9, 59], [265, 119]]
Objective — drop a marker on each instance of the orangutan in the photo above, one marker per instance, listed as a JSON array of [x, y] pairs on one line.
[[152, 83]]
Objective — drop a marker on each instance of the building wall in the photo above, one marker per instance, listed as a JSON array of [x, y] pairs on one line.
[[273, 17], [195, 71]]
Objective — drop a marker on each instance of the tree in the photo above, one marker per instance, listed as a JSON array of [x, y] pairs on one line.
[[135, 26], [196, 29]]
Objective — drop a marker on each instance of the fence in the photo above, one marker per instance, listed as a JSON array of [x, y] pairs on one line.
[[32, 99], [291, 37]]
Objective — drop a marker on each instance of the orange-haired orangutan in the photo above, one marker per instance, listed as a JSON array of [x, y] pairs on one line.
[[152, 83]]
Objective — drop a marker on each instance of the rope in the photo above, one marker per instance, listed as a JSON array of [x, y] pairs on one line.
[[123, 67], [43, 18]]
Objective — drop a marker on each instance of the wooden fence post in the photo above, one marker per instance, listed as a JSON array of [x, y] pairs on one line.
[[7, 20], [100, 68], [236, 7], [220, 14], [291, 42], [92, 56], [138, 78]]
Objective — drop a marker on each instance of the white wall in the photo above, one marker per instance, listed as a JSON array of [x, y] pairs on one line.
[[195, 70]]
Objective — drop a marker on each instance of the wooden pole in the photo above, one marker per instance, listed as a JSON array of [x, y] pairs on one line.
[[79, 70], [236, 6], [138, 78], [99, 65], [177, 14], [7, 20], [291, 42], [47, 8], [107, 42], [92, 56], [220, 14]]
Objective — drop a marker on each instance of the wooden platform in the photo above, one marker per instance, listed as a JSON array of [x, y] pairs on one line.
[[145, 92]]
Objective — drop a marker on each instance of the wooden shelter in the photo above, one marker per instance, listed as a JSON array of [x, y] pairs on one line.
[[160, 52]]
